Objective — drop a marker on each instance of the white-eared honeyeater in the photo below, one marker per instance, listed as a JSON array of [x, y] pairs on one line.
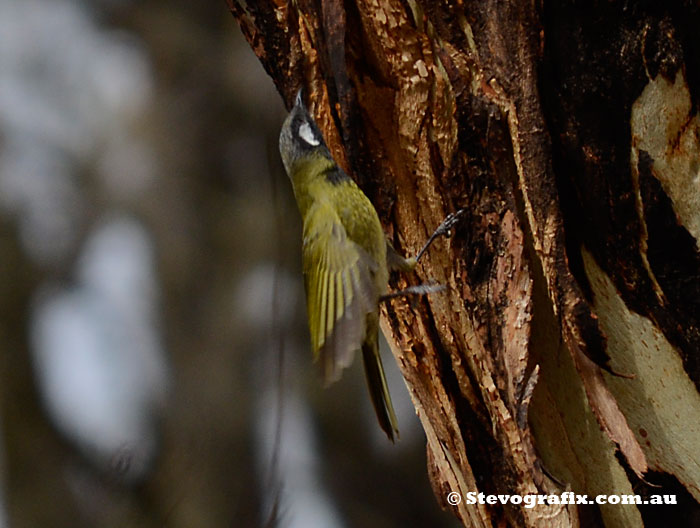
[[346, 259]]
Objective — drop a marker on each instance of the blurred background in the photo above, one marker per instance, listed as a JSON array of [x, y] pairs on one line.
[[154, 358]]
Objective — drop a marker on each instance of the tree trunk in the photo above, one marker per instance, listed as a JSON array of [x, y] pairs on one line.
[[564, 354]]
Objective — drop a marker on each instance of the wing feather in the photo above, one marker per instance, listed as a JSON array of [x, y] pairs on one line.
[[339, 293], [340, 289]]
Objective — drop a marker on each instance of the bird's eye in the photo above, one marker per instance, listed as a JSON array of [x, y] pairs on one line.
[[307, 134]]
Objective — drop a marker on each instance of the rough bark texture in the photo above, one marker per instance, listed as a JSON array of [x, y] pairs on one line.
[[565, 353]]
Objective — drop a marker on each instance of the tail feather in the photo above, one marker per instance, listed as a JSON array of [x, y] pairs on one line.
[[378, 389]]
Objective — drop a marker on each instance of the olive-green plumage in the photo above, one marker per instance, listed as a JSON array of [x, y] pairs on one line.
[[344, 260]]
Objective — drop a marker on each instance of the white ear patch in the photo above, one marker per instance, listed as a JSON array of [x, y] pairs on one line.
[[307, 134]]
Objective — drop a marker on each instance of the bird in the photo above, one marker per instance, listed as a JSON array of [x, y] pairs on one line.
[[346, 260]]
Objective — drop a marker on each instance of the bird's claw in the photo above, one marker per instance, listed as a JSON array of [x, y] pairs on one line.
[[445, 229]]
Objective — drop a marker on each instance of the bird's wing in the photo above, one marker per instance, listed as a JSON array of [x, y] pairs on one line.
[[340, 290]]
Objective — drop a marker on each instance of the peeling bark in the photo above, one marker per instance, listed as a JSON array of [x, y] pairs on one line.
[[570, 133]]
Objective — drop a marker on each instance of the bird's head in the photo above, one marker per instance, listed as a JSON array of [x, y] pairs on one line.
[[300, 138]]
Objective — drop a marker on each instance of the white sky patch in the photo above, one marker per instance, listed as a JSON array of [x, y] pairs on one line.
[[305, 501], [307, 134], [71, 96], [101, 369]]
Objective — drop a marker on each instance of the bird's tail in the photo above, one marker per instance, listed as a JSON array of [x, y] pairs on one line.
[[378, 389]]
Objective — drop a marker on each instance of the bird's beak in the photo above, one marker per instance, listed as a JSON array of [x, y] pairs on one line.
[[299, 101]]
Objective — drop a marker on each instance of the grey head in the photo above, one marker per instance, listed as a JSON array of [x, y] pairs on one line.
[[300, 136]]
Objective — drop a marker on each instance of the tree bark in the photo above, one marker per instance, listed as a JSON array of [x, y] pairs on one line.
[[564, 354]]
